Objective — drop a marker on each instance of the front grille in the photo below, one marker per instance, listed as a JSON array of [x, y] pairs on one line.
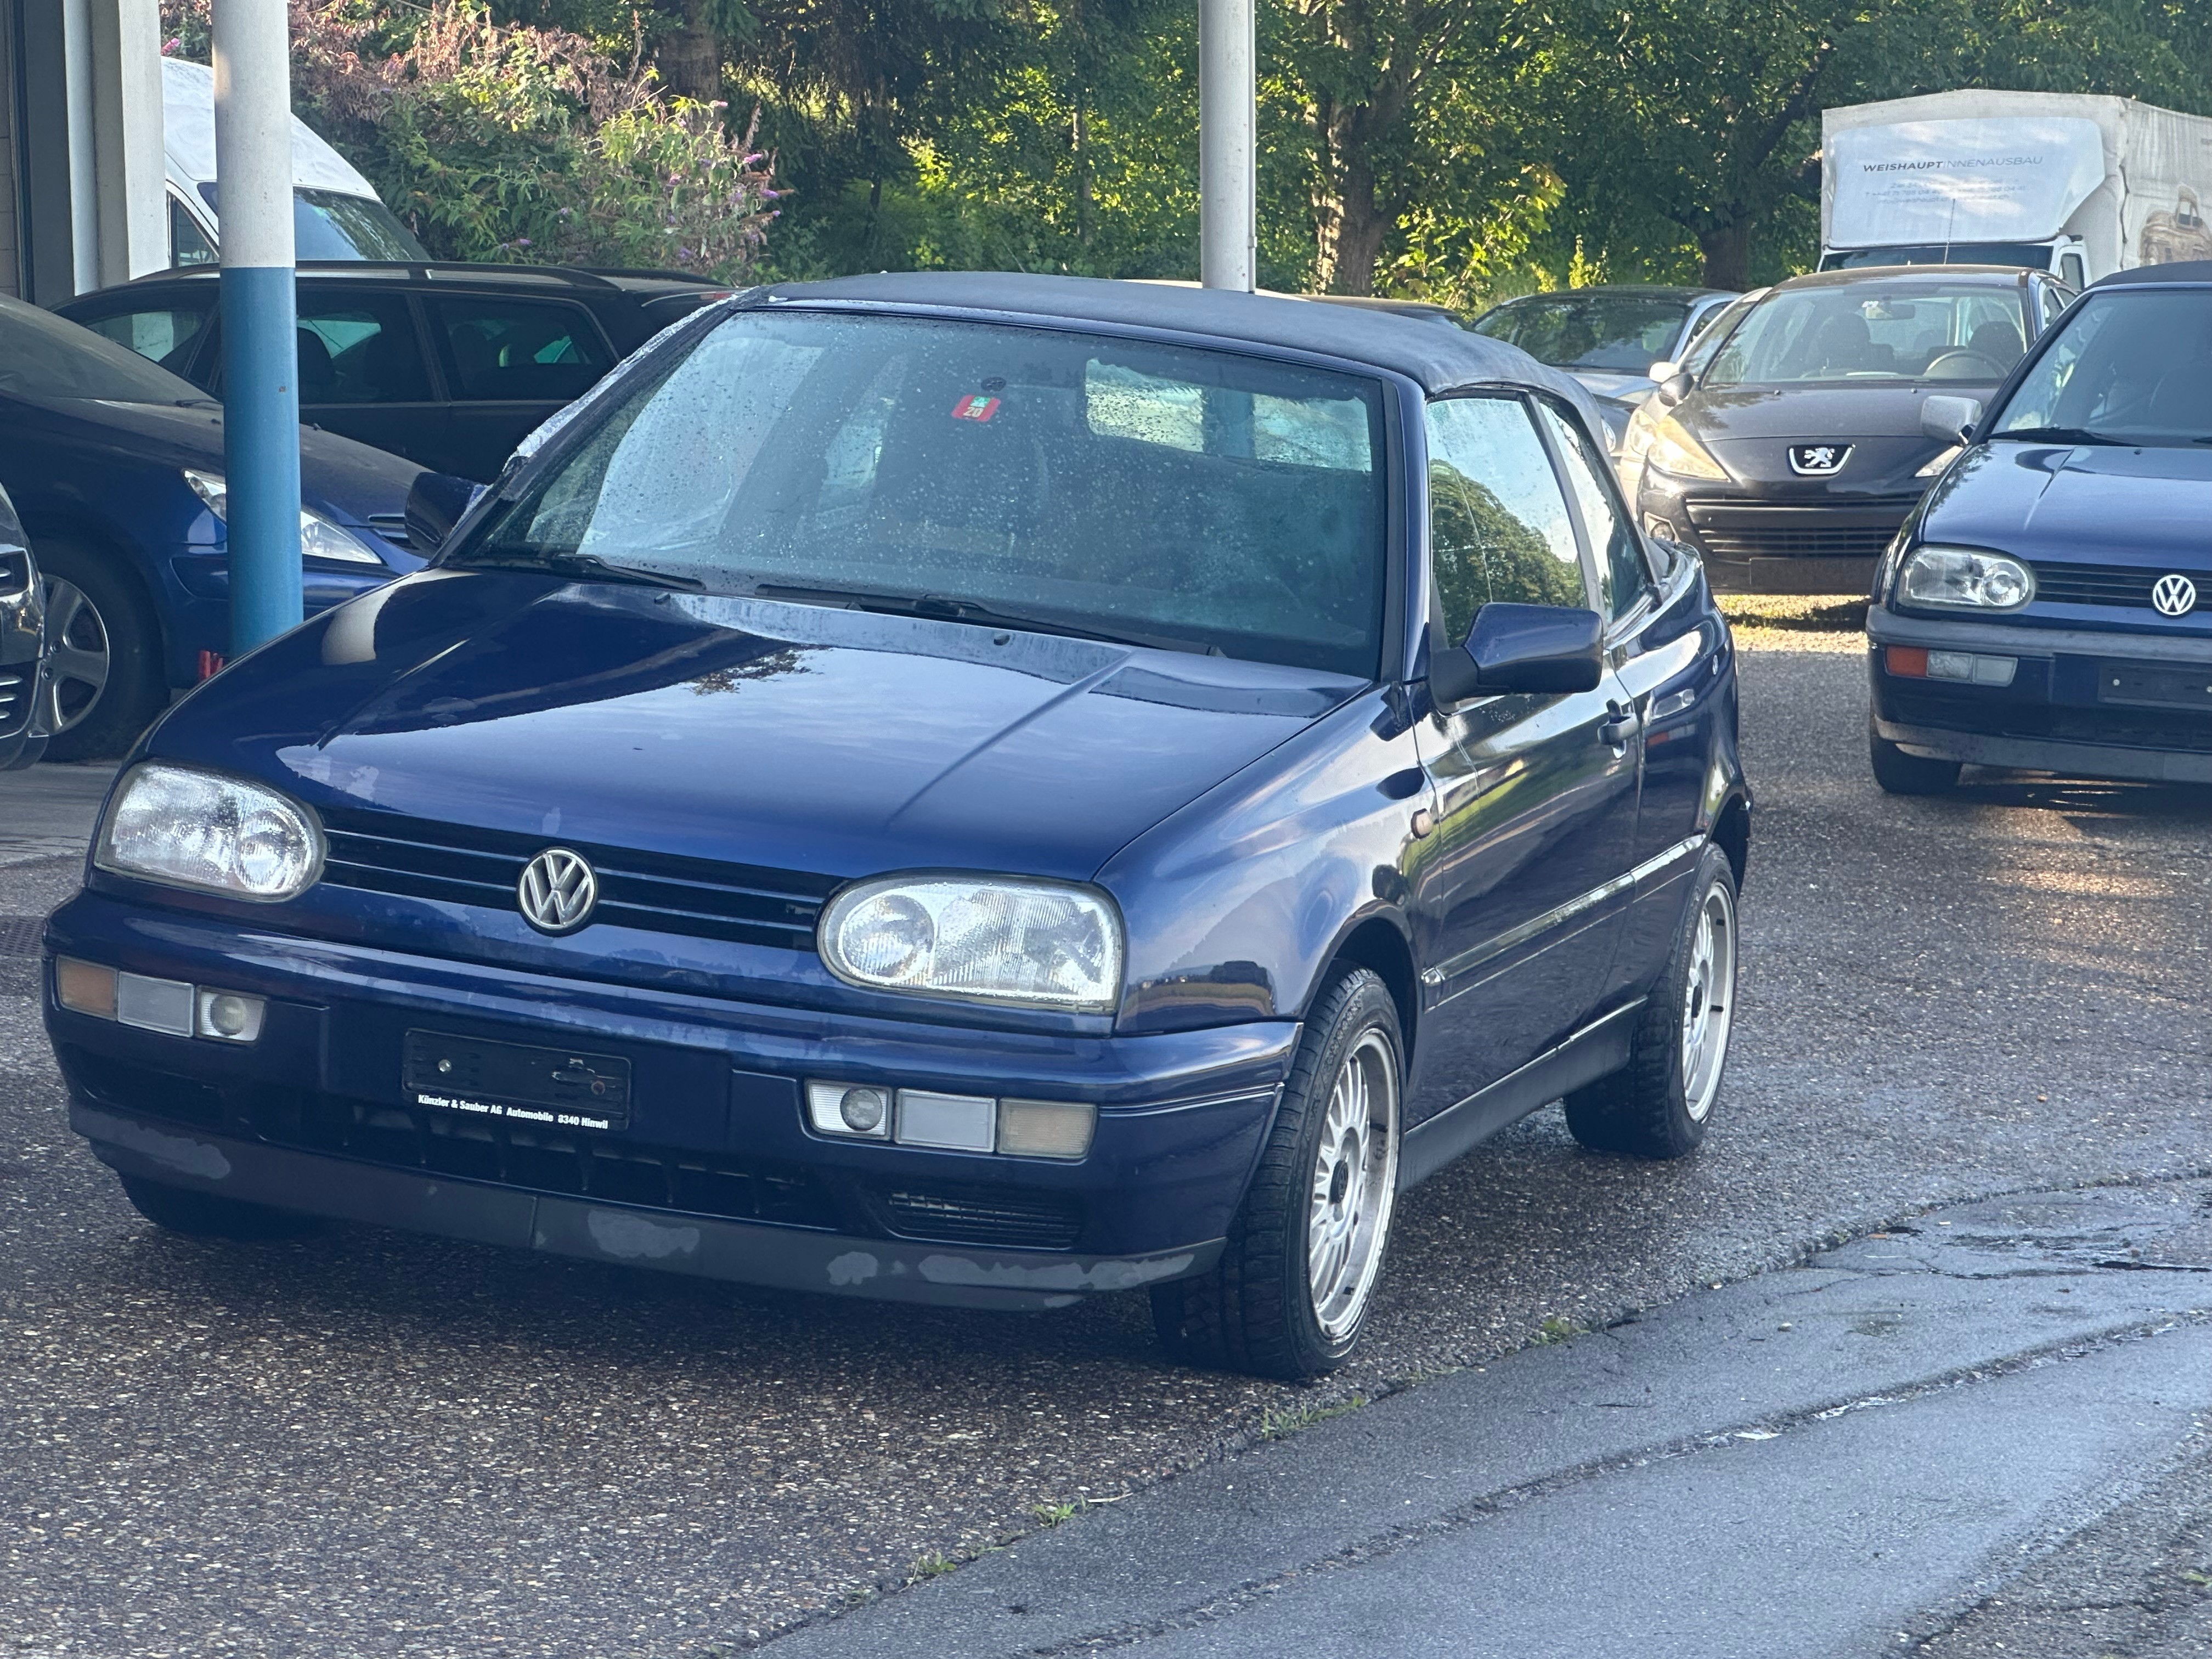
[[661, 892], [984, 1215], [2099, 584], [1807, 541], [616, 1172], [14, 702]]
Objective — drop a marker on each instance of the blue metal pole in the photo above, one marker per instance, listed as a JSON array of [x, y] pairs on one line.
[[260, 353]]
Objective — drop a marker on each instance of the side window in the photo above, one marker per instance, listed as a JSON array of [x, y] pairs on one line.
[[1620, 575], [1499, 528], [504, 350], [188, 243], [359, 348], [166, 336]]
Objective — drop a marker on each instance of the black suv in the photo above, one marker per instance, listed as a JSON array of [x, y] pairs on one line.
[[448, 365]]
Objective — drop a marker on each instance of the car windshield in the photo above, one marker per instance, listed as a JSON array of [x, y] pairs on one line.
[[43, 355], [330, 224], [2030, 256], [1213, 501], [2131, 367], [1875, 331], [1616, 333]]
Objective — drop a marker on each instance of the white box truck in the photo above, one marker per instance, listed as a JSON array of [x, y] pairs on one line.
[[2078, 186]]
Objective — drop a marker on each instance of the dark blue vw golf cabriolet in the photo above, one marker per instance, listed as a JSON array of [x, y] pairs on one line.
[[968, 789]]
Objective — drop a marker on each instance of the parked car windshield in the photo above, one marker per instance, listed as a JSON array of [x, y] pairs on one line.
[[1917, 331], [43, 355], [1202, 498], [2131, 367], [1616, 333]]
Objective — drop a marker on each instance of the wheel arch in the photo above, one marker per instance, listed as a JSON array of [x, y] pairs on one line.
[[1378, 942], [1732, 834]]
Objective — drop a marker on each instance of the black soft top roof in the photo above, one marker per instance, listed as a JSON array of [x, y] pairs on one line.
[[2182, 270], [1436, 355]]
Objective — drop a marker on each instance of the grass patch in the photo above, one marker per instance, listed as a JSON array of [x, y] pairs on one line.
[[1277, 1425], [935, 1565], [1557, 1328], [1053, 1515], [1799, 613]]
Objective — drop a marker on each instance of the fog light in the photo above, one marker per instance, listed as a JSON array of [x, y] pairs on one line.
[[229, 1016], [959, 1123], [84, 988], [850, 1109], [1045, 1128]]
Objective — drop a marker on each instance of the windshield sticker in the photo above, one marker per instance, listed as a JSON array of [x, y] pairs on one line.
[[974, 408]]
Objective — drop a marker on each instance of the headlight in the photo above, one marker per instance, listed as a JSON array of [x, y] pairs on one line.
[[1962, 578], [1674, 450], [1937, 463], [995, 940], [320, 538], [200, 830]]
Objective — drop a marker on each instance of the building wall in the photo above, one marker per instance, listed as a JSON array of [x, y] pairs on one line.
[[11, 230]]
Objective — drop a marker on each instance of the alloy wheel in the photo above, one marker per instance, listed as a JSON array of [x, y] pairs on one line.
[[80, 657], [1709, 1002], [1355, 1184]]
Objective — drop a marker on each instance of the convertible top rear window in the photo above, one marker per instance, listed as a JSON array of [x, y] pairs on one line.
[[1225, 501]]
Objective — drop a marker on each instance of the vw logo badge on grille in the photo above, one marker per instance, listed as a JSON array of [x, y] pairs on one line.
[[1817, 460], [558, 891], [2173, 596]]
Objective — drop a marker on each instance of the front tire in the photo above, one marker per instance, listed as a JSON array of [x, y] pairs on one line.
[[206, 1215], [1659, 1104], [1291, 1294], [1900, 774], [106, 683]]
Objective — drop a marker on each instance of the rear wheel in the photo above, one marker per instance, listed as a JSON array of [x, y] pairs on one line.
[[1659, 1104], [1291, 1293], [205, 1215], [1900, 774], [105, 682]]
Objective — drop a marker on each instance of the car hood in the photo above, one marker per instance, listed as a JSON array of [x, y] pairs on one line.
[[1750, 430], [346, 480], [790, 736], [2145, 507], [1614, 383]]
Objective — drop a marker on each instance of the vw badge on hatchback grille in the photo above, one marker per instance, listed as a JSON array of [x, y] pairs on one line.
[[2173, 596], [558, 891], [1817, 460]]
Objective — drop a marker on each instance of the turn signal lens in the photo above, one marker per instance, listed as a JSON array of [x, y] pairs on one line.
[[1936, 463], [84, 988], [1045, 1128]]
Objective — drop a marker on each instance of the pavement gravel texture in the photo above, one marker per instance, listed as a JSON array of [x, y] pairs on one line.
[[372, 1445]]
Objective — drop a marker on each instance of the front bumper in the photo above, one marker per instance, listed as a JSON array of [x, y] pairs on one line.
[[717, 1172], [2051, 718], [1775, 542]]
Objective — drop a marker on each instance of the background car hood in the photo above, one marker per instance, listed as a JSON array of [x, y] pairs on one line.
[[1750, 429], [789, 736], [344, 479], [2081, 505]]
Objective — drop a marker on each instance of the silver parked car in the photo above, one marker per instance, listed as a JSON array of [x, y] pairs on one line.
[[1607, 336]]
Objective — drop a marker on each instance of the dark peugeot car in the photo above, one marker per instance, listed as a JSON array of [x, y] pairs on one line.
[[1790, 449], [2049, 607], [961, 788], [117, 468], [448, 365], [22, 647]]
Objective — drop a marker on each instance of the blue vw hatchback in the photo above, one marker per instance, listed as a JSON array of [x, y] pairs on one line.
[[967, 789], [2049, 605]]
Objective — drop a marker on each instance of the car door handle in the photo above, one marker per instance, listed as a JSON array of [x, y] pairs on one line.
[[1622, 729]]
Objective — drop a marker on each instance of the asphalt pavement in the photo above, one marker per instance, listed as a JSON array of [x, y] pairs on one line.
[[368, 1443]]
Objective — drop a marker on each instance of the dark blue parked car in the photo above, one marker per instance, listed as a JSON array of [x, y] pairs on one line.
[[116, 466], [970, 789], [2048, 606]]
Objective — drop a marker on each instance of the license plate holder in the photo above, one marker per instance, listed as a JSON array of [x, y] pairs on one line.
[[2155, 685], [555, 1088]]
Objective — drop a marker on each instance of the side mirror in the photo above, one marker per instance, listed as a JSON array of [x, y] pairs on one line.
[[1541, 648], [1949, 420], [1675, 387], [435, 502]]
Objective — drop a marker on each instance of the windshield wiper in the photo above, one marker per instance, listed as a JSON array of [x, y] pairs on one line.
[[588, 565], [944, 608], [2059, 434]]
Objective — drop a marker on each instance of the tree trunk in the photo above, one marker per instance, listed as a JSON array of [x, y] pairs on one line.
[[1350, 220], [690, 57], [1727, 249]]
